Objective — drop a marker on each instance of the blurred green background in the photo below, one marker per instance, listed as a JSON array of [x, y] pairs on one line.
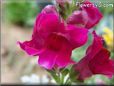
[[17, 23]]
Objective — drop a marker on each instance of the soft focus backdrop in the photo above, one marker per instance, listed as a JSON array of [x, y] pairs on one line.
[[17, 21]]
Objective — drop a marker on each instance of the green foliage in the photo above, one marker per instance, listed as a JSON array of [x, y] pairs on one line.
[[21, 13]]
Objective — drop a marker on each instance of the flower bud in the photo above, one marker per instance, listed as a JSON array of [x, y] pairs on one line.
[[78, 18], [49, 9]]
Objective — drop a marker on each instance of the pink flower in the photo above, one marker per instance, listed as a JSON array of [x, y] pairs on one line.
[[96, 61], [88, 16], [53, 42]]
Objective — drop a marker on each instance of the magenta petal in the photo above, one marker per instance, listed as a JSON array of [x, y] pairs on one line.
[[29, 50], [79, 18], [93, 13], [47, 59], [77, 36], [64, 59], [101, 64], [61, 46], [96, 46], [83, 69], [37, 22], [86, 72], [88, 16], [48, 23], [96, 59], [34, 46]]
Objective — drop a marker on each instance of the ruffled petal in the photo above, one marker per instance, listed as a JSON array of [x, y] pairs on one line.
[[95, 47], [28, 49], [94, 15], [101, 64], [77, 36], [34, 46], [96, 60]]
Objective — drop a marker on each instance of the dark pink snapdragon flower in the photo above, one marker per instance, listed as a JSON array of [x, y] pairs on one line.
[[53, 41], [96, 61], [87, 16]]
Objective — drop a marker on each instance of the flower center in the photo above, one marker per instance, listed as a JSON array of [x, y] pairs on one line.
[[56, 41]]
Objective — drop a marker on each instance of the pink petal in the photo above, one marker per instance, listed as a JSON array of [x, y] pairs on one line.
[[47, 59], [77, 36], [34, 46], [96, 60], [95, 47], [84, 73], [93, 13], [60, 46], [29, 50], [101, 64], [79, 18], [48, 23], [64, 56]]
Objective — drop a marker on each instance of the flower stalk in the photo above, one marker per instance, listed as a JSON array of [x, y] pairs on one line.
[[59, 75]]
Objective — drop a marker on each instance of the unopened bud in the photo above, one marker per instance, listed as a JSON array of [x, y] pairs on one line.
[[78, 18], [49, 9]]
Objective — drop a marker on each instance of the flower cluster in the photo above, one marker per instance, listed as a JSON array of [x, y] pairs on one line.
[[55, 37]]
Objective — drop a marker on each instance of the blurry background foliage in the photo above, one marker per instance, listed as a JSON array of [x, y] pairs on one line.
[[23, 12]]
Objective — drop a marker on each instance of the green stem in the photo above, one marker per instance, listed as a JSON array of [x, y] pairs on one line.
[[59, 77]]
